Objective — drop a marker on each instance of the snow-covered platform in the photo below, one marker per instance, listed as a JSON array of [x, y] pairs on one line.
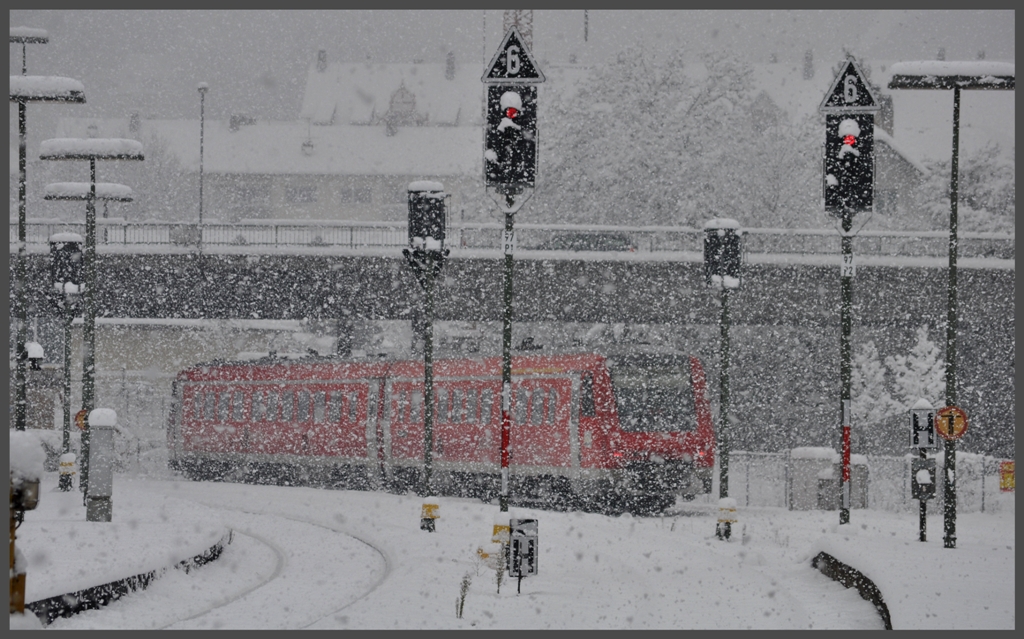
[[149, 534]]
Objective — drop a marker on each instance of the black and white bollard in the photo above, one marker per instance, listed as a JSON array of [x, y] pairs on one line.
[[98, 499]]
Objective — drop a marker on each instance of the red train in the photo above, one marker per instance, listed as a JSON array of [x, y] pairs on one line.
[[591, 432]]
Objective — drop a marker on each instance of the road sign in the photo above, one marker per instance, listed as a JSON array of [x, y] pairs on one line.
[[849, 93], [512, 63], [80, 418], [951, 423]]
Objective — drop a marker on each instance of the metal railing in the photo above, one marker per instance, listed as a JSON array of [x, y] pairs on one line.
[[644, 239]]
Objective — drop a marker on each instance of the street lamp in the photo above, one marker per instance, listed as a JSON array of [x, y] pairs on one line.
[[25, 89], [66, 274], [91, 149], [202, 88], [722, 272], [428, 221], [939, 74]]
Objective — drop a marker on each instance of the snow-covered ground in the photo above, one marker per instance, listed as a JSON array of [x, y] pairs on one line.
[[326, 559]]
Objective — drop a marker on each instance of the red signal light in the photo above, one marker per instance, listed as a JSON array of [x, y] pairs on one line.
[[511, 113], [849, 140]]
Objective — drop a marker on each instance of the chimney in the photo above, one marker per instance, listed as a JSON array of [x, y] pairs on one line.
[[886, 116], [808, 64], [449, 66], [321, 60]]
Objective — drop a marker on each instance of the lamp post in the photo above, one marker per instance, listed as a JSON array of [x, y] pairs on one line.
[[25, 89], [91, 149], [428, 221], [722, 271], [936, 74], [202, 88], [66, 271]]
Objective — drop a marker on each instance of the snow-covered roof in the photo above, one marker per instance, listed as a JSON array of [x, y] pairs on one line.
[[425, 185], [85, 148], [886, 139], [953, 67], [28, 34], [276, 148], [48, 88], [66, 237], [102, 417], [80, 191], [360, 93]]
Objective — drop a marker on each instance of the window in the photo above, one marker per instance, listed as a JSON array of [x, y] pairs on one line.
[[334, 407], [353, 406], [587, 395], [300, 194], [209, 405], [472, 397], [222, 406], [442, 410], [486, 405], [552, 416], [238, 406], [287, 404], [416, 411], [537, 410], [197, 405], [522, 398], [272, 402], [302, 414], [319, 406], [259, 407], [458, 406]]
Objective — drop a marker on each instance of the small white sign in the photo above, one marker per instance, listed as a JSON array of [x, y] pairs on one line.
[[849, 268], [508, 242]]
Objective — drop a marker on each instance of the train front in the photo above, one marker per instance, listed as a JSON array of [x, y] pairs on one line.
[[664, 444]]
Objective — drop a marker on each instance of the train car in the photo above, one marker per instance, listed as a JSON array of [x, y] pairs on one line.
[[590, 431]]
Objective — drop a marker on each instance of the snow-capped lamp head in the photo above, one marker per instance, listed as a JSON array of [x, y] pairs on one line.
[[428, 215], [922, 425], [722, 253], [35, 355], [511, 104]]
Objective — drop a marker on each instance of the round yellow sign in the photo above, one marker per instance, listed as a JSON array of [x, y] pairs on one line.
[[951, 422]]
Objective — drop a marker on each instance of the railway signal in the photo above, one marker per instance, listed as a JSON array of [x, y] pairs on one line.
[[847, 188], [510, 172], [922, 437]]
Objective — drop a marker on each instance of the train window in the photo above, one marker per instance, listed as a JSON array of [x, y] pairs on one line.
[[237, 406], [458, 405], [197, 405], [287, 404], [552, 406], [442, 409], [416, 410], [537, 410], [587, 395], [319, 406], [259, 406], [302, 415], [653, 398], [209, 405], [222, 406], [522, 398], [334, 401], [472, 397], [272, 402], [353, 406], [486, 405]]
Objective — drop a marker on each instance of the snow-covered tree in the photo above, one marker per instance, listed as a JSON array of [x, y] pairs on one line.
[[872, 402], [986, 191], [921, 373], [653, 139]]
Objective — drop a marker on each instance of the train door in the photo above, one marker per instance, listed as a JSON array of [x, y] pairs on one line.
[[544, 437]]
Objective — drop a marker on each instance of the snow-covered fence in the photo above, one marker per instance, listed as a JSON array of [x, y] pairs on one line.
[[763, 479], [643, 239]]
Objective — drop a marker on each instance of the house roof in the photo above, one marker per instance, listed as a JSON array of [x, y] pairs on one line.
[[277, 147]]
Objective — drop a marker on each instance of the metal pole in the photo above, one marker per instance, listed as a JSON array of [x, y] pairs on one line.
[[21, 361], [923, 507], [949, 481], [64, 483], [202, 122], [506, 361], [428, 374], [725, 529], [89, 321], [846, 284]]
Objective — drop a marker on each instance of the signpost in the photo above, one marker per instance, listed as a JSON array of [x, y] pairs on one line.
[[943, 75], [848, 183], [510, 172]]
